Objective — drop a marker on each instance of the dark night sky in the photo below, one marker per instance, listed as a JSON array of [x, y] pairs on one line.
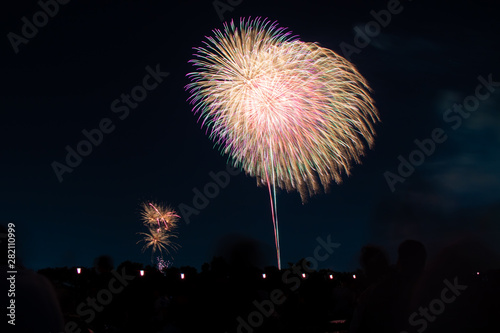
[[65, 78]]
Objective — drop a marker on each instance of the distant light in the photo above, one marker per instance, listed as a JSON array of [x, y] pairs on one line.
[[78, 270], [182, 276], [141, 272], [354, 276], [477, 273], [331, 276], [304, 275], [263, 275]]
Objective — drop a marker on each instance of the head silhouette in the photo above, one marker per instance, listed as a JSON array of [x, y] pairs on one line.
[[374, 262], [103, 264], [411, 257]]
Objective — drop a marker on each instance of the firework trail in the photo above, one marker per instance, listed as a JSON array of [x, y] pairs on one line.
[[161, 222], [292, 114]]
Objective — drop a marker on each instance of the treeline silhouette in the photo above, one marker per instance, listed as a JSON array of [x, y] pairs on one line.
[[222, 297], [451, 293]]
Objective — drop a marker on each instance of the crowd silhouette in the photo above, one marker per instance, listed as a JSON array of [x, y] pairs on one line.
[[230, 294]]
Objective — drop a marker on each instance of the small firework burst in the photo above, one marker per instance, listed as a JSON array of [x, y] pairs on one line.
[[158, 240], [160, 216], [161, 264], [161, 222]]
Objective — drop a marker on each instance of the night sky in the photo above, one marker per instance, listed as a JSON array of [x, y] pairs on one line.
[[64, 79]]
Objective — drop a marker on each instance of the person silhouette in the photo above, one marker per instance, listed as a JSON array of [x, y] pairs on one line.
[[388, 303], [375, 265], [36, 308]]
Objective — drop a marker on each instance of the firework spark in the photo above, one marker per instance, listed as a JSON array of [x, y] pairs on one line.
[[281, 107], [290, 113], [161, 264], [161, 222], [158, 240], [156, 214]]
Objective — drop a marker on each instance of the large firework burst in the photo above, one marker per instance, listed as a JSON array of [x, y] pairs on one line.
[[293, 114]]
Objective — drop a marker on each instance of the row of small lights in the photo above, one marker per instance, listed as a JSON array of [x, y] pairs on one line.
[[304, 276], [330, 276], [142, 272]]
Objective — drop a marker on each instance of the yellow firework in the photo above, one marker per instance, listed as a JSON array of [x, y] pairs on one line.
[[290, 113], [163, 217], [158, 240], [161, 221]]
